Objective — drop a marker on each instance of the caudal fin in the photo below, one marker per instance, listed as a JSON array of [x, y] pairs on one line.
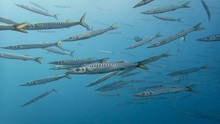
[[197, 27], [179, 20], [204, 67], [55, 16], [72, 52], [58, 44], [141, 65], [82, 22], [19, 27], [38, 59], [158, 35], [54, 90], [166, 54], [67, 76], [113, 26], [190, 88], [103, 60], [186, 5]]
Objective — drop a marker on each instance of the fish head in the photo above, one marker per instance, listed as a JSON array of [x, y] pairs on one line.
[[148, 11], [142, 94], [80, 70], [208, 38]]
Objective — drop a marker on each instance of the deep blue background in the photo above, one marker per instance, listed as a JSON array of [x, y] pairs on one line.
[[73, 103]]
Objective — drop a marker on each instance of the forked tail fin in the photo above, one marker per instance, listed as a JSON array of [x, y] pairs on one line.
[[19, 27], [55, 16], [103, 60], [158, 35], [72, 52], [38, 59], [82, 22], [54, 90], [186, 5], [197, 27], [141, 65], [58, 44], [204, 67], [113, 26], [190, 88], [67, 76]]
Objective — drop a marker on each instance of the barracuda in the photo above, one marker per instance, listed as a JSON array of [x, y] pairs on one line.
[[160, 91], [59, 51], [90, 34], [175, 36], [106, 67], [32, 46], [46, 80], [38, 97], [37, 11], [57, 25], [215, 37], [142, 2], [19, 57], [166, 9]]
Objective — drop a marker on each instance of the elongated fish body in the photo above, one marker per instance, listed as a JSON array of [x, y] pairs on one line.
[[16, 27], [129, 74], [106, 67], [210, 38], [144, 41], [166, 9], [155, 58], [103, 78], [90, 34], [66, 67], [165, 18], [7, 21], [78, 61], [32, 46], [59, 51], [175, 36], [112, 86], [187, 71], [56, 25], [206, 9], [142, 2], [45, 80], [19, 57], [35, 10], [38, 97], [127, 70], [160, 91]]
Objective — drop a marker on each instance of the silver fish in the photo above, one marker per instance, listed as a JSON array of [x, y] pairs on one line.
[[32, 46], [57, 25], [166, 9], [104, 51], [7, 21], [35, 10], [206, 9], [45, 80], [175, 36], [186, 71], [210, 38], [78, 61], [38, 97], [142, 2], [112, 86], [16, 27], [90, 34], [103, 78], [144, 41], [167, 90], [19, 57], [106, 67], [165, 18], [59, 51], [155, 58]]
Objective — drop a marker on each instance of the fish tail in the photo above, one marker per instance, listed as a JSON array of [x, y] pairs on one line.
[[113, 26], [58, 44], [166, 54], [71, 53], [197, 27], [54, 90], [103, 60], [141, 65], [82, 22], [67, 76], [186, 5], [38, 59], [190, 87], [158, 35], [179, 20], [55, 16], [19, 27], [204, 67]]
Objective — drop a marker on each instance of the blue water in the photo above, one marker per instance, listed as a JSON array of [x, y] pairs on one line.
[[76, 104]]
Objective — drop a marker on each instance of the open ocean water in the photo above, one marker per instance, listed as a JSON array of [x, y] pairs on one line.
[[74, 103]]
